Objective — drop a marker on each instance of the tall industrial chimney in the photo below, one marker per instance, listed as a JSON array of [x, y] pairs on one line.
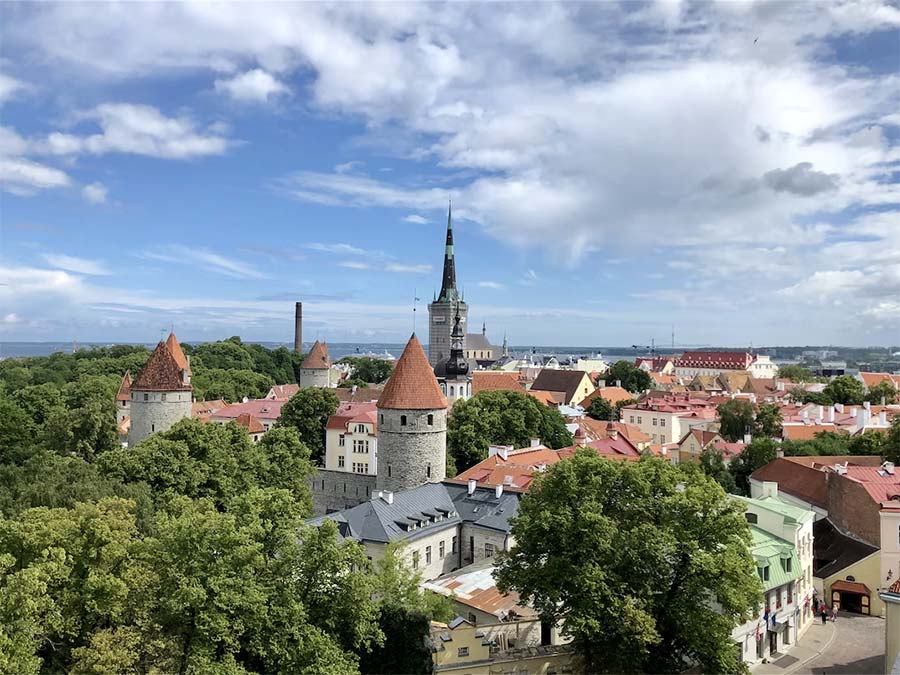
[[298, 327]]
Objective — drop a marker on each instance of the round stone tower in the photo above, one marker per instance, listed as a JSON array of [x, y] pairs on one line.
[[161, 394], [315, 371], [412, 424]]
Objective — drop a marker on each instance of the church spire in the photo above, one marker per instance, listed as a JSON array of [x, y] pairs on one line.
[[448, 284]]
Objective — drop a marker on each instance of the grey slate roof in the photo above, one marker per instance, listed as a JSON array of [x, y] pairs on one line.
[[432, 507], [834, 551], [478, 341]]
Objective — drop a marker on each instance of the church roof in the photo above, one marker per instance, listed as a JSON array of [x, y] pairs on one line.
[[317, 359], [124, 393], [478, 341], [161, 372], [412, 385], [175, 347]]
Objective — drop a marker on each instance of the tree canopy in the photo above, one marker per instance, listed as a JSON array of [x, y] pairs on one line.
[[845, 389], [601, 409], [796, 373], [736, 418], [501, 418], [368, 369], [308, 411], [646, 565], [633, 379]]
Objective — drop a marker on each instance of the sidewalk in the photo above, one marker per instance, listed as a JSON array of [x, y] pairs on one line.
[[814, 641]]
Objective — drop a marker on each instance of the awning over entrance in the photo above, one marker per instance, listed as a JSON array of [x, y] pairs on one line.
[[850, 587]]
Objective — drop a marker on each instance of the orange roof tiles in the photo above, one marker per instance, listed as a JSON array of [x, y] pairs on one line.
[[250, 423], [283, 391], [412, 385], [317, 359], [161, 373], [550, 398], [177, 353], [495, 380], [872, 379], [807, 432], [611, 394], [124, 393]]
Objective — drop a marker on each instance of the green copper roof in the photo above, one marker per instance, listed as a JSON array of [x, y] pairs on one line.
[[792, 514], [778, 555]]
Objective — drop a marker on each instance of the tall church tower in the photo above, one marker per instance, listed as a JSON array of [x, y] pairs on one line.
[[447, 305], [412, 424], [453, 372]]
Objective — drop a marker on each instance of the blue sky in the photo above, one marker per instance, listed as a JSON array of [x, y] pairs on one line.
[[616, 170]]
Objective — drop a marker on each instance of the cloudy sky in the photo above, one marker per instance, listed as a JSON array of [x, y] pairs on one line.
[[730, 170]]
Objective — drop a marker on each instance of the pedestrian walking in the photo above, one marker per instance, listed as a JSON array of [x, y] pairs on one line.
[[824, 616], [834, 611]]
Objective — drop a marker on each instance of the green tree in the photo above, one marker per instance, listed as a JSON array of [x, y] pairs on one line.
[[632, 378], [16, 431], [796, 373], [883, 391], [368, 369], [891, 447], [714, 466], [800, 395], [759, 452], [287, 465], [768, 421], [845, 389], [504, 418], [630, 557], [736, 418], [308, 411], [601, 409], [231, 385]]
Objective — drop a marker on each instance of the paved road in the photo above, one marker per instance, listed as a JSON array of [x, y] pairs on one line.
[[857, 648]]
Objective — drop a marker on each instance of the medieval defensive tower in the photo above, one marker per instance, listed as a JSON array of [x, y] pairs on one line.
[[412, 424]]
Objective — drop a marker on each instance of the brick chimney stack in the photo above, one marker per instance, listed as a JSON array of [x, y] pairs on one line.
[[298, 327]]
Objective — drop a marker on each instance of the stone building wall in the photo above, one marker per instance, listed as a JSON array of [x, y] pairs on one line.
[[123, 410], [413, 453], [339, 490], [156, 411], [480, 536], [852, 509], [438, 566], [315, 377]]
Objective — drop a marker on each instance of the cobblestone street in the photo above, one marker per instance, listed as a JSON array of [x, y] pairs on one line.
[[853, 645]]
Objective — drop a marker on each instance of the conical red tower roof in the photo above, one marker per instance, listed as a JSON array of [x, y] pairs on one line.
[[161, 373], [412, 385], [317, 359], [124, 393], [175, 347]]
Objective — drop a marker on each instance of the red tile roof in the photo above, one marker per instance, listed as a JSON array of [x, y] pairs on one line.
[[611, 394], [124, 393], [262, 408], [895, 587], [249, 422], [717, 360], [807, 432], [495, 380], [796, 479], [550, 398], [412, 385], [160, 373], [177, 353], [283, 391], [317, 359], [871, 379]]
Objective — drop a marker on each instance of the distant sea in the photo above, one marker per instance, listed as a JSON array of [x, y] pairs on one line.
[[335, 349]]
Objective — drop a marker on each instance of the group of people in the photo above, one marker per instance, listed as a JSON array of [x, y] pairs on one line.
[[826, 612]]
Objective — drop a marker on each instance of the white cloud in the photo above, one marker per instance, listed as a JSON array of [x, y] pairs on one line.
[[140, 130], [529, 278], [205, 259], [411, 269], [495, 285], [355, 265], [95, 193], [9, 86], [346, 167], [337, 248], [11, 318], [416, 219], [24, 177], [253, 86], [70, 263]]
